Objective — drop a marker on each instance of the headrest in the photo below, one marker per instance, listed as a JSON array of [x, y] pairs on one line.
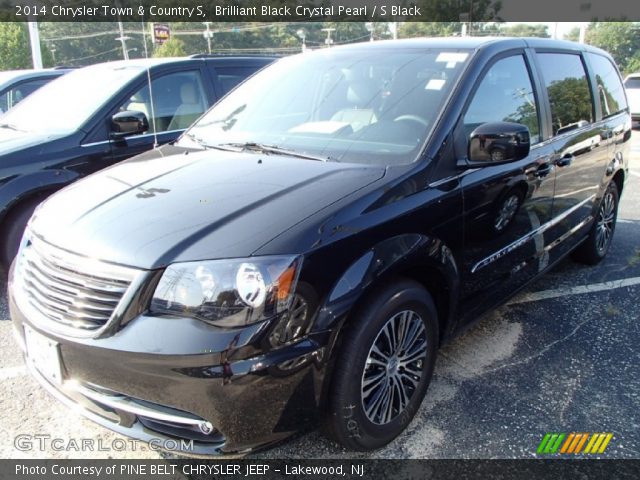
[[188, 93]]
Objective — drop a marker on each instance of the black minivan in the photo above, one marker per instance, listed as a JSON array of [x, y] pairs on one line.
[[99, 115], [301, 252]]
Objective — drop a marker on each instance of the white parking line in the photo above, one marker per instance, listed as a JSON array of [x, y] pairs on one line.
[[562, 292]]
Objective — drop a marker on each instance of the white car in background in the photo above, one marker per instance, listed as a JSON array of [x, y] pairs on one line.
[[632, 85]]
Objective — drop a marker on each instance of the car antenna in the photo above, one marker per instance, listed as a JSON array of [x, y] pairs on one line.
[[153, 113]]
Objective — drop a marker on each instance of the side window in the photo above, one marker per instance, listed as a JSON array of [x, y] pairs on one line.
[[610, 89], [505, 94], [18, 93], [178, 100], [229, 77], [568, 89]]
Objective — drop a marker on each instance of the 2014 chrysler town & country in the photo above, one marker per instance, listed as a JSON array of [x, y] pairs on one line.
[[300, 253]]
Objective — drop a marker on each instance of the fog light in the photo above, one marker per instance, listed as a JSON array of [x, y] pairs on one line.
[[206, 428]]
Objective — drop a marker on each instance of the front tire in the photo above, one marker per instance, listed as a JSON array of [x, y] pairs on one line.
[[384, 367], [596, 246]]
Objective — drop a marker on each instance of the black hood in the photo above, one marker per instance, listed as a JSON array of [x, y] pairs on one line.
[[171, 205]]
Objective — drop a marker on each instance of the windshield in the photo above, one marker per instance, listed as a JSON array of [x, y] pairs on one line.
[[64, 104], [361, 105], [632, 82]]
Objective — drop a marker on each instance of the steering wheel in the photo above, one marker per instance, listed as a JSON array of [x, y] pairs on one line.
[[412, 118]]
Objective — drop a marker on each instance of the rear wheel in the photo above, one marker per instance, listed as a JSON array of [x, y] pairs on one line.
[[14, 224], [597, 244], [384, 367]]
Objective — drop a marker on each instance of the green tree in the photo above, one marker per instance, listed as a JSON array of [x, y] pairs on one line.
[[15, 49], [174, 47], [86, 43], [570, 101], [620, 39], [573, 35], [428, 29], [525, 30]]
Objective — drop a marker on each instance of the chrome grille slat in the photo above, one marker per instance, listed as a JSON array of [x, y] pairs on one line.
[[64, 289], [69, 292], [71, 280], [64, 309], [70, 302]]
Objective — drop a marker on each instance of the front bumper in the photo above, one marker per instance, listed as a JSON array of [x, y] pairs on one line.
[[161, 378]]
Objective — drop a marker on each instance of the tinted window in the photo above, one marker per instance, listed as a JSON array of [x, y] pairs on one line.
[[15, 95], [610, 89], [178, 101], [632, 82], [229, 77], [568, 89], [505, 95]]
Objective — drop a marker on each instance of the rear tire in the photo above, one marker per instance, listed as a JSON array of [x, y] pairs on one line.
[[377, 387], [597, 244], [15, 224]]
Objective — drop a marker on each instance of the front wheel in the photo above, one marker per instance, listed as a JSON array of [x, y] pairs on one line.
[[384, 367], [597, 244]]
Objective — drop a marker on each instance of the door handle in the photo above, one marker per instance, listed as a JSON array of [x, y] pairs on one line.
[[544, 170], [565, 161]]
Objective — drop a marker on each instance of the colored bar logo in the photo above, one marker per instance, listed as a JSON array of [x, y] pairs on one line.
[[574, 443]]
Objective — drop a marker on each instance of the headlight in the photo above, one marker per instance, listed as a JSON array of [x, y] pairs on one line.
[[228, 293]]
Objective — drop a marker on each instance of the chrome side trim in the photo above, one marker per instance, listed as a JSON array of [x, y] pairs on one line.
[[144, 135], [524, 239]]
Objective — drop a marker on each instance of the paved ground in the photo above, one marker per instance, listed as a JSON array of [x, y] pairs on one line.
[[561, 357]]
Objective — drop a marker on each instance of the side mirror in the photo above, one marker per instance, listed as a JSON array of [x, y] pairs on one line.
[[498, 142], [128, 123]]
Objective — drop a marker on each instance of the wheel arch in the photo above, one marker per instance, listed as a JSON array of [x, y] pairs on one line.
[[424, 259], [26, 188]]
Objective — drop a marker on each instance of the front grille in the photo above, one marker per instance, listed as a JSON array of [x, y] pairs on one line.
[[69, 290]]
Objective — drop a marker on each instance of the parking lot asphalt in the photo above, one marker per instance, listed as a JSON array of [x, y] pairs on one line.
[[562, 356]]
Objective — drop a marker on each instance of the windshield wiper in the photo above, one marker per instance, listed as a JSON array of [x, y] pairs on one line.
[[273, 149], [205, 145], [9, 126]]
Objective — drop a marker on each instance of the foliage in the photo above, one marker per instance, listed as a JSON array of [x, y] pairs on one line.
[[15, 49], [570, 100], [620, 39], [525, 30], [174, 47]]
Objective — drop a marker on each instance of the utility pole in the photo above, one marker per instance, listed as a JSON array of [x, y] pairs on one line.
[[303, 36], [329, 41], [208, 34], [123, 41], [583, 34], [34, 37]]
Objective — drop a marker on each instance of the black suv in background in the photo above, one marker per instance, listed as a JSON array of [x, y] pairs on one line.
[[97, 116], [302, 251], [16, 85]]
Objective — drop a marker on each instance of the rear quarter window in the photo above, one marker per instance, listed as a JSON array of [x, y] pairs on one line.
[[610, 89]]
